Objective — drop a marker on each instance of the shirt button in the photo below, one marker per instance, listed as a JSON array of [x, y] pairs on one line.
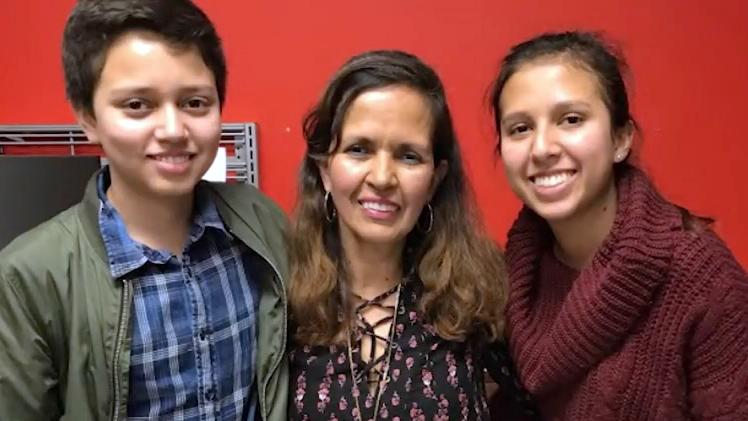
[[203, 335], [210, 394]]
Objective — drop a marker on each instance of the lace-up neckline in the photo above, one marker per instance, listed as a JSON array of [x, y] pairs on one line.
[[373, 366]]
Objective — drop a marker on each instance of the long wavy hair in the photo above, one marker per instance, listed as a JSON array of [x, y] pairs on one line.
[[461, 269]]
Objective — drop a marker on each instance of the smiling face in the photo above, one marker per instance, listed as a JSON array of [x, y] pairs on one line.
[[382, 172], [557, 145], [156, 115]]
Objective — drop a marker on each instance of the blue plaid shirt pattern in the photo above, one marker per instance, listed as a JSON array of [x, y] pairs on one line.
[[193, 319]]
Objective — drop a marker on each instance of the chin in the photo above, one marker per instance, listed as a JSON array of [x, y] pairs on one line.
[[381, 238], [554, 212], [174, 189]]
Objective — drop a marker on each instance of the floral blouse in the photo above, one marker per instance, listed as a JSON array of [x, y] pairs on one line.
[[429, 378]]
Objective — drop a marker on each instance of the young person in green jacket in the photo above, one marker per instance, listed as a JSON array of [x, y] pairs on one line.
[[158, 295]]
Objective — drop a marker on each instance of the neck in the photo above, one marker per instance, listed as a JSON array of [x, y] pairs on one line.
[[372, 269], [579, 237], [160, 223]]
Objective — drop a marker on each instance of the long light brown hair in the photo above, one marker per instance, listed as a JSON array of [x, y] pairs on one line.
[[461, 269]]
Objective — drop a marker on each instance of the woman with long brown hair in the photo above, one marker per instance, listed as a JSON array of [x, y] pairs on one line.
[[394, 290]]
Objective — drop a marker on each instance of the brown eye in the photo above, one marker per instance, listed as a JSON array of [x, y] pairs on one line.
[[195, 103], [518, 129], [135, 105], [411, 158], [356, 150], [572, 119]]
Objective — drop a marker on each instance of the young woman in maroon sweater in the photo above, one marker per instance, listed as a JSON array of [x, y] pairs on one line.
[[622, 305]]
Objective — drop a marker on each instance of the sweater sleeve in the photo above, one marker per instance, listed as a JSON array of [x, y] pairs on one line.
[[717, 350]]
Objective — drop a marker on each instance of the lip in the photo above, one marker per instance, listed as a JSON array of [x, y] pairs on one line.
[[172, 167], [379, 214], [551, 172], [552, 193]]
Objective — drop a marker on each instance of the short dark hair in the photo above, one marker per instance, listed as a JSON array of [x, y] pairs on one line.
[[586, 49], [94, 25]]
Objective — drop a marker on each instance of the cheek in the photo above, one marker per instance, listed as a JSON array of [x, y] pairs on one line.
[[345, 177], [594, 145], [417, 187], [206, 129], [117, 129], [513, 159]]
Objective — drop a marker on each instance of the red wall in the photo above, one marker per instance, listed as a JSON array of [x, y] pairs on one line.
[[689, 60]]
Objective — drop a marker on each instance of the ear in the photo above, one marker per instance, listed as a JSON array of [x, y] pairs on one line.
[[622, 143], [324, 173], [439, 173], [88, 124]]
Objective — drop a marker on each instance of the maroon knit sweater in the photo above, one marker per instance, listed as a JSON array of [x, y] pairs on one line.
[[655, 327]]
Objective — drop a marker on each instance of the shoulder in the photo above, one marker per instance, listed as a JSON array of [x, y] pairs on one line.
[[254, 218], [37, 263], [245, 197], [706, 272], [701, 255], [43, 243]]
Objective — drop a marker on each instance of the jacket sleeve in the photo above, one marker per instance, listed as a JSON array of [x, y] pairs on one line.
[[717, 350], [28, 379]]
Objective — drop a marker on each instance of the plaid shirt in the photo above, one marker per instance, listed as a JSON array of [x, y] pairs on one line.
[[193, 319]]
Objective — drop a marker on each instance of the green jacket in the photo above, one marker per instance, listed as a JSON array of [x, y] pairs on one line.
[[65, 323]]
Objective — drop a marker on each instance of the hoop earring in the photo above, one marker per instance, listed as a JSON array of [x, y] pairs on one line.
[[329, 214], [431, 220]]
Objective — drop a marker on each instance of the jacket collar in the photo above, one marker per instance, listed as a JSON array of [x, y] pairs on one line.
[[236, 207]]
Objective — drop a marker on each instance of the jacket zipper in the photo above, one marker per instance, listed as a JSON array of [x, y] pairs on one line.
[[121, 331]]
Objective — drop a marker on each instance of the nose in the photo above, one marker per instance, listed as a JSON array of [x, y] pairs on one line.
[[382, 172], [171, 127], [544, 143]]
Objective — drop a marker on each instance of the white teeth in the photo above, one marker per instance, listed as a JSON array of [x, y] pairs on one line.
[[377, 206], [172, 159], [552, 180]]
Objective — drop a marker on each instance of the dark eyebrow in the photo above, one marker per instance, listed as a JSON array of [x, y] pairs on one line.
[[565, 105], [404, 145], [146, 90], [356, 140], [560, 106], [132, 91], [198, 89], [400, 145], [519, 115]]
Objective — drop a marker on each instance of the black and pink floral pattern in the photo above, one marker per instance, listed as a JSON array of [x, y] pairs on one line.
[[430, 378]]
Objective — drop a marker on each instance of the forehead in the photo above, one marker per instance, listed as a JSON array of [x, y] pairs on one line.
[[147, 59], [388, 109], [545, 82]]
